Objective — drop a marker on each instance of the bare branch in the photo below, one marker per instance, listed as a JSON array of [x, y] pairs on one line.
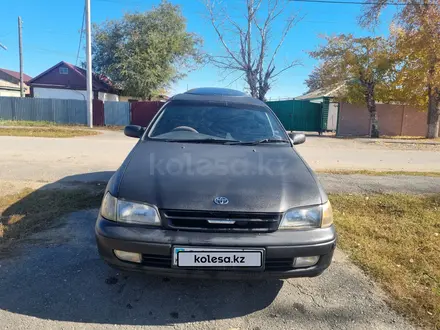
[[263, 35], [371, 12], [291, 65], [250, 49], [233, 81], [287, 28], [209, 6], [241, 34], [223, 64]]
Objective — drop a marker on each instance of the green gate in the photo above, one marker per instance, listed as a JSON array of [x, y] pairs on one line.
[[299, 115]]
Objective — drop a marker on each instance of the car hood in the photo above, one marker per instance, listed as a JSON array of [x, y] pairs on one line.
[[189, 176]]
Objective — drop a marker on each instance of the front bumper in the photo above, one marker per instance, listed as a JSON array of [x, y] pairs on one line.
[[279, 246]]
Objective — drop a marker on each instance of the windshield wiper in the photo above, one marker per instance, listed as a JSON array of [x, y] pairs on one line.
[[208, 140], [252, 143]]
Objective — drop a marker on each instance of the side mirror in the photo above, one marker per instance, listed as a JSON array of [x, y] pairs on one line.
[[297, 138], [134, 131]]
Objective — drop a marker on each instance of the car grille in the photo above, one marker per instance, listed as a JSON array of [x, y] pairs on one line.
[[221, 221], [156, 260], [280, 264], [161, 261]]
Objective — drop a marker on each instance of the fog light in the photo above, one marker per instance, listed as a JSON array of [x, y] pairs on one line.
[[301, 262], [128, 256]]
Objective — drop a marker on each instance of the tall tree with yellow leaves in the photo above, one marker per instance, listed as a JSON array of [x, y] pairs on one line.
[[363, 64], [416, 37]]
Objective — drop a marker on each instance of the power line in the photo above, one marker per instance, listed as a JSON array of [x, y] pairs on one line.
[[5, 35], [81, 34], [51, 51], [359, 2], [123, 2]]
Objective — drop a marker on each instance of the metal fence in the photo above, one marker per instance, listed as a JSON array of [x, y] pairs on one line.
[[298, 115], [117, 113], [55, 110], [143, 112]]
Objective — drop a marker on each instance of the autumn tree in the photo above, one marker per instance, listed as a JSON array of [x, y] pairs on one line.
[[143, 53], [363, 64], [249, 43], [416, 36], [323, 75]]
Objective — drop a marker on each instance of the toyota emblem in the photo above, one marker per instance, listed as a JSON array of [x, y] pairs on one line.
[[221, 200]]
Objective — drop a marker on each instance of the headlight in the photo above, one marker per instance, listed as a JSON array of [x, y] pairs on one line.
[[129, 212], [137, 213], [108, 207], [327, 215], [308, 217]]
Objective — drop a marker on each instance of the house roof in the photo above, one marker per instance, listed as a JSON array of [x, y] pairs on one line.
[[16, 75], [332, 91], [100, 82]]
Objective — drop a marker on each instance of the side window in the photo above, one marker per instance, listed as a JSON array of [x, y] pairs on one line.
[[274, 125]]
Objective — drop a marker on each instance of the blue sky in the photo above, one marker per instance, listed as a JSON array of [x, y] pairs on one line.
[[51, 34]]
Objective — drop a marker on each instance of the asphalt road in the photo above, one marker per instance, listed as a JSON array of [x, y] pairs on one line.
[[56, 280], [50, 159], [35, 162]]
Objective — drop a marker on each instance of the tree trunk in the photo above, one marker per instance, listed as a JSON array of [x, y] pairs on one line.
[[371, 106], [262, 91], [433, 116], [433, 126], [252, 83]]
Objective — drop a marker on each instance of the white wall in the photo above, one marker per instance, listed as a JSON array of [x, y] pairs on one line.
[[108, 97], [332, 120], [57, 93], [8, 88], [315, 100], [70, 94], [5, 92]]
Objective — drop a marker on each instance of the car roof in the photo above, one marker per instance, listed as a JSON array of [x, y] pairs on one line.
[[215, 91], [217, 95]]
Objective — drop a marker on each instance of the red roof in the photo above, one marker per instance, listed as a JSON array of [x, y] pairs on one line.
[[16, 75], [74, 80]]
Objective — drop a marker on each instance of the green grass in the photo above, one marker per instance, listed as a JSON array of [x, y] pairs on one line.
[[57, 132], [407, 137], [379, 173], [111, 128], [396, 239], [30, 211], [30, 123]]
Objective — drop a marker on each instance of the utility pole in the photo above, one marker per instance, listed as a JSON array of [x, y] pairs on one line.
[[89, 66], [20, 49]]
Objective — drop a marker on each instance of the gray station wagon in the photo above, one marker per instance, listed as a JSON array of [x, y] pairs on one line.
[[215, 188]]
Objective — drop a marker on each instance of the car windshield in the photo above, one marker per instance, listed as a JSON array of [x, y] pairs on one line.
[[203, 123]]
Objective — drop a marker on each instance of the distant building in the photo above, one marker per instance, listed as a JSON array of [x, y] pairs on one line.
[[68, 81], [10, 83], [326, 96]]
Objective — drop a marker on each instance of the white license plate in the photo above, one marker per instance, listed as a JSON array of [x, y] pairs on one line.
[[203, 257]]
